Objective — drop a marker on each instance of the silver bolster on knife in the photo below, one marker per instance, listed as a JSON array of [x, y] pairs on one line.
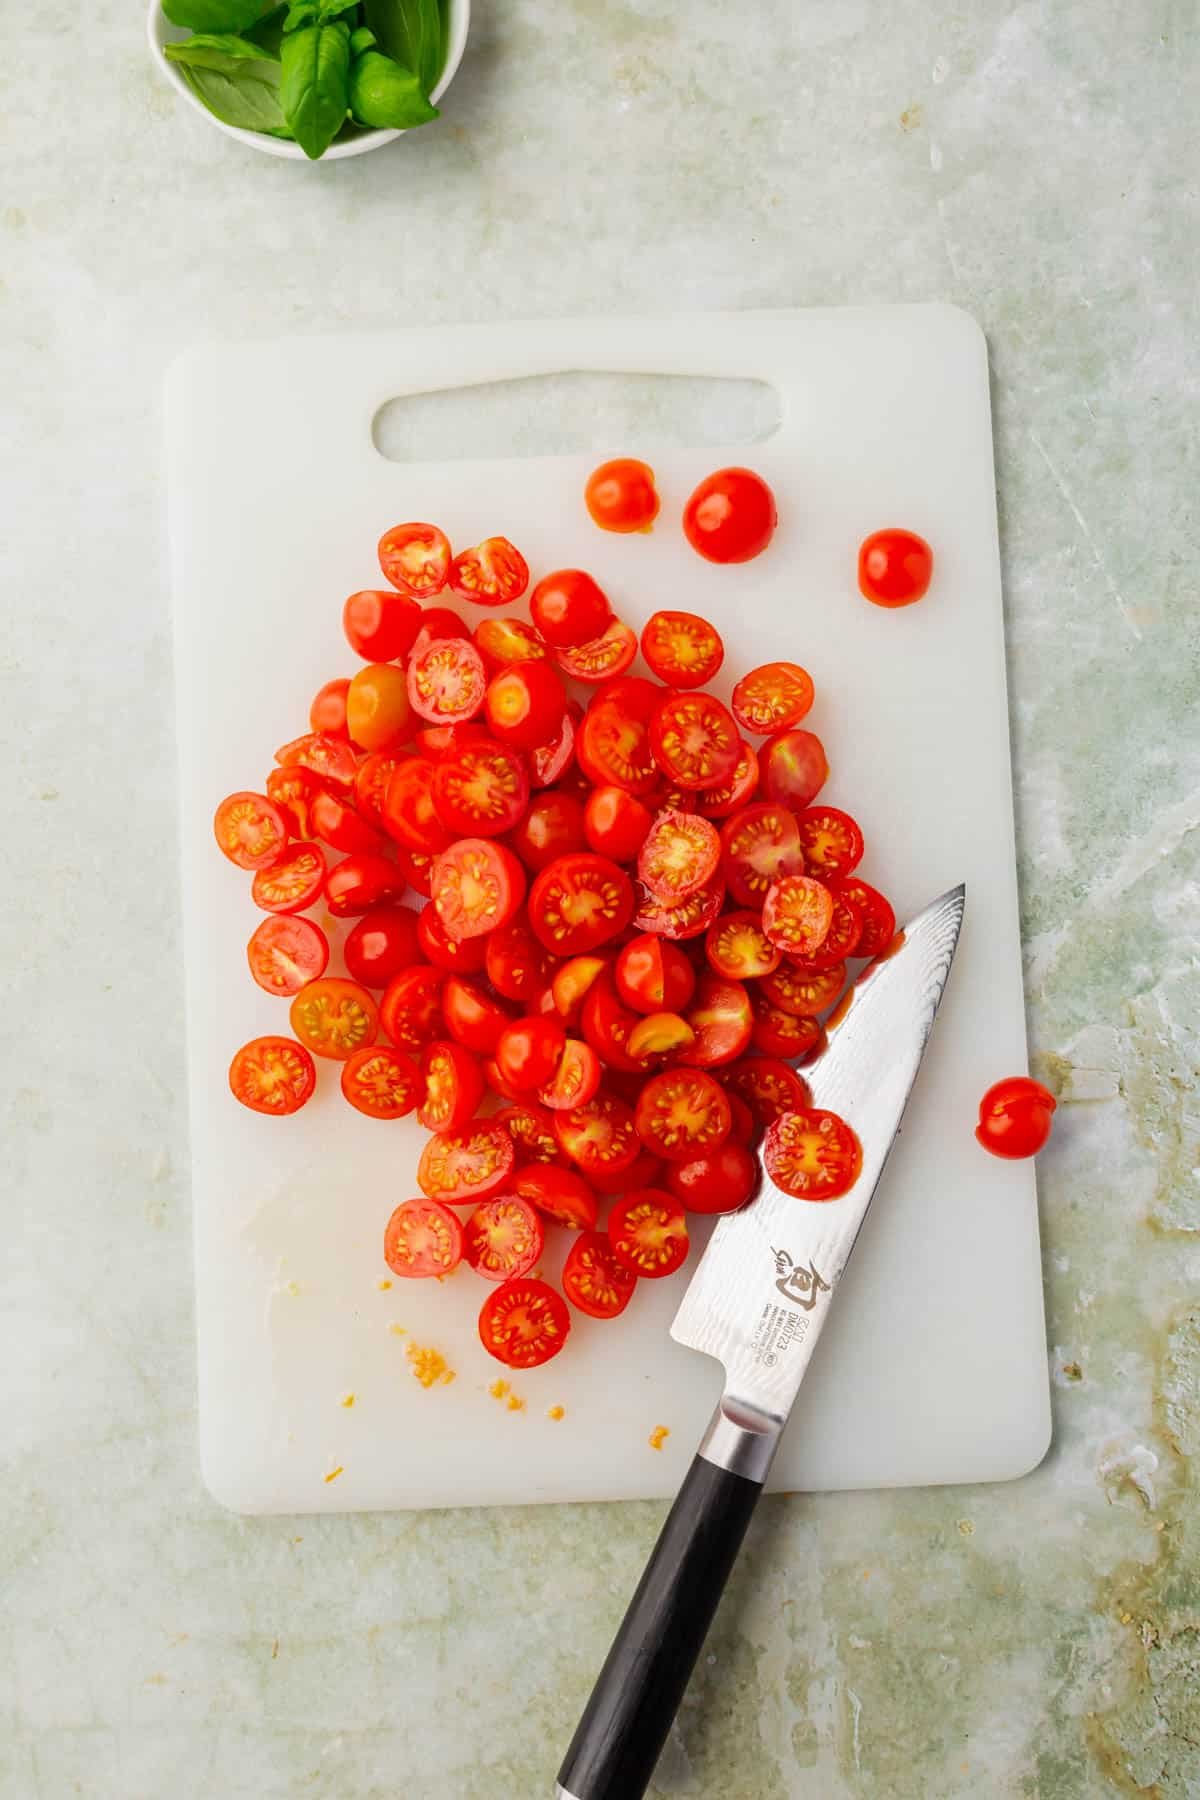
[[741, 1440]]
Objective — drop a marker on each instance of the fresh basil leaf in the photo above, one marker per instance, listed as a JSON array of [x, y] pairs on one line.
[[268, 33], [360, 40], [315, 86], [410, 32], [384, 93], [216, 15], [235, 96], [226, 54], [300, 13]]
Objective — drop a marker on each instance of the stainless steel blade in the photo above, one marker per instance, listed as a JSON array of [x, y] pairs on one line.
[[763, 1287]]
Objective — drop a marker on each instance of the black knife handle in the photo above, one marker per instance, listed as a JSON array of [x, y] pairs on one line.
[[635, 1699]]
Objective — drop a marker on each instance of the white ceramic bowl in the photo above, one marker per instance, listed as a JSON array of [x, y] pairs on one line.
[[160, 31]]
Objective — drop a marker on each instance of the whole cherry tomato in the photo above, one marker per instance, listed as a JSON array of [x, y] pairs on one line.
[[527, 1052], [718, 1182], [553, 826], [1015, 1117], [894, 567], [621, 496], [731, 516], [569, 608], [378, 716], [525, 705], [381, 625], [328, 710], [380, 944]]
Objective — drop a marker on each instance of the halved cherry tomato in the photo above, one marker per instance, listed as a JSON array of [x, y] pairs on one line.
[[382, 1082], [601, 657], [333, 1017], [737, 946], [648, 1233], [613, 748], [524, 1323], [526, 705], [472, 1163], [480, 790], [731, 516], [477, 885], [380, 944], [802, 992], [768, 1087], [646, 1172], [831, 841], [293, 883], [285, 954], [472, 1017], [758, 846], [773, 697], [502, 642], [417, 866], [594, 1280], [360, 883], [572, 980], [516, 964], [339, 826], [894, 567], [331, 758], [378, 715], [527, 1052], [494, 573], [409, 813], [559, 1193], [813, 1155], [452, 1087], [553, 826], [722, 1018], [694, 740], [250, 830], [416, 559], [683, 649], [569, 608], [607, 1025], [381, 625], [370, 783], [446, 681], [779, 1033], [462, 956], [792, 768], [579, 903], [504, 1238], [550, 762], [680, 854], [422, 1238], [874, 910], [841, 940], [495, 1080], [620, 495], [598, 1135], [532, 1131], [654, 976], [328, 709], [1015, 1117], [616, 823], [576, 1079], [690, 918], [272, 1075], [719, 1182], [293, 791], [411, 1008], [660, 1034], [730, 796], [682, 1113], [797, 914]]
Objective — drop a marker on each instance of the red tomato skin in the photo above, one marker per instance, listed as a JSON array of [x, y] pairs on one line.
[[607, 1024], [576, 1079], [731, 517], [454, 1072], [560, 1193], [472, 1017], [377, 710], [422, 575], [328, 710], [527, 1052], [616, 823], [437, 622], [525, 705], [722, 1018], [411, 1008], [339, 826], [464, 956], [1015, 1118], [621, 496], [380, 944], [409, 814], [360, 883], [895, 567], [792, 768], [569, 608], [553, 826], [720, 1182], [381, 625], [645, 1172], [552, 762], [654, 975]]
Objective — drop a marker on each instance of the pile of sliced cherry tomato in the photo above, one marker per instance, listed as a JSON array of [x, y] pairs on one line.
[[632, 911]]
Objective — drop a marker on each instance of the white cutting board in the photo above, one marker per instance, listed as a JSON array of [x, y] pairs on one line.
[[933, 1367]]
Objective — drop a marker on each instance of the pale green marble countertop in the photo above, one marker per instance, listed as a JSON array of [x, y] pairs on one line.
[[1034, 163]]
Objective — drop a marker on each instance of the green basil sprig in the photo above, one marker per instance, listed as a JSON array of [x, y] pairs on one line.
[[315, 89], [234, 78], [410, 32]]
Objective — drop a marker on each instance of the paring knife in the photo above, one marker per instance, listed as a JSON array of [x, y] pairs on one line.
[[757, 1302]]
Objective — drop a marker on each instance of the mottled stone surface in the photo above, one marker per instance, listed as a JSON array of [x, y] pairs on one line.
[[1036, 164]]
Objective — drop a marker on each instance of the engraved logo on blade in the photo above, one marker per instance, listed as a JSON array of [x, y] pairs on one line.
[[796, 1282], [780, 1329]]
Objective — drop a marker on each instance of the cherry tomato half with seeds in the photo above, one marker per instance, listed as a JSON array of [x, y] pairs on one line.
[[731, 516], [370, 783], [894, 567], [602, 657], [812, 1155], [654, 976], [503, 1238], [721, 1181], [784, 1034], [688, 918], [471, 1163], [250, 830], [792, 768], [874, 910], [411, 1009], [773, 697], [683, 649], [409, 813], [616, 823], [339, 826], [380, 944], [378, 716], [1015, 1117], [381, 1081], [272, 1075], [768, 1087], [451, 1087], [722, 801], [576, 1079], [422, 1239], [737, 947], [380, 624], [286, 954], [331, 758], [502, 642], [803, 992], [647, 1232], [831, 841], [613, 748], [579, 903], [517, 966], [571, 983], [480, 790], [328, 709], [333, 1017], [569, 608], [552, 826], [462, 956], [531, 1129], [293, 883], [447, 681], [660, 1034], [694, 740], [477, 885], [415, 558], [621, 496], [472, 1017], [293, 791], [559, 1193], [360, 883], [494, 573], [594, 1280], [797, 914], [758, 846], [841, 939], [682, 1113], [599, 1135], [551, 762], [524, 1323], [527, 1052], [722, 1018], [680, 855], [526, 705]]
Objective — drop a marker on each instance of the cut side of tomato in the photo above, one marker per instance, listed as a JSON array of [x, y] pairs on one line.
[[286, 954], [447, 681], [531, 1129], [792, 768], [683, 649], [250, 830], [477, 886], [797, 914], [415, 558], [613, 748], [802, 991], [768, 1087], [503, 1238], [831, 841], [502, 642], [576, 1079], [874, 910], [694, 740], [422, 1239], [382, 1082], [682, 1113], [334, 1017], [773, 697], [471, 1163], [602, 657], [524, 1323], [516, 964], [812, 1155], [722, 1018], [360, 883], [481, 790], [732, 795], [779, 1033], [494, 573], [690, 918], [272, 1075], [660, 1034], [599, 1135], [370, 783], [648, 1234], [841, 940], [679, 856], [551, 762], [594, 1280], [559, 1193], [293, 791], [292, 883], [451, 1087], [409, 813], [462, 956], [737, 946], [579, 903], [331, 758], [411, 1009]]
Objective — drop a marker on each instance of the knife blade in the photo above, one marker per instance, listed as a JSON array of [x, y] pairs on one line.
[[757, 1302]]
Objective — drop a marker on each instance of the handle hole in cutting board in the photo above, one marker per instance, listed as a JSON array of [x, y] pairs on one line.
[[576, 412]]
